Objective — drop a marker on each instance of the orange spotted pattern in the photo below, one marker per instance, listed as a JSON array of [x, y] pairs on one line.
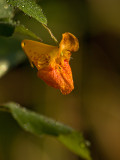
[[52, 62]]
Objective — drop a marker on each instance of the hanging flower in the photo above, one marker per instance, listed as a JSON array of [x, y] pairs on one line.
[[52, 62]]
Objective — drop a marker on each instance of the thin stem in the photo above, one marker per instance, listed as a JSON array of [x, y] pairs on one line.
[[51, 34]]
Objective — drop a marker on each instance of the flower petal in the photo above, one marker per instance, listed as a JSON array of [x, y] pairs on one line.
[[53, 62], [59, 77], [39, 54], [68, 44]]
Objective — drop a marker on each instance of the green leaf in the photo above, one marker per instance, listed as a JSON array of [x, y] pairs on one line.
[[10, 54], [38, 124], [6, 29], [35, 123], [30, 8], [76, 143], [21, 29], [6, 11], [9, 61]]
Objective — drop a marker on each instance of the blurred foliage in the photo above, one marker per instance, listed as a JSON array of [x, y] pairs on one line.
[[93, 107], [38, 124], [22, 30], [30, 121], [6, 11], [6, 29]]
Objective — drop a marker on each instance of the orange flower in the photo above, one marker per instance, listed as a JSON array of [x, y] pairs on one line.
[[52, 62]]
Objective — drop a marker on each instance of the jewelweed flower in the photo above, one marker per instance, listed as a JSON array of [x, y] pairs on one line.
[[52, 62]]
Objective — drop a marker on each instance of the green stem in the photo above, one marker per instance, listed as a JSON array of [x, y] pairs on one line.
[[51, 34]]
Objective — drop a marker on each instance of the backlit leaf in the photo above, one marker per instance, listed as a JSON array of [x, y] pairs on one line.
[[38, 124], [30, 8]]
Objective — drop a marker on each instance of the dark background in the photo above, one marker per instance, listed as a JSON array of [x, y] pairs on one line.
[[94, 105]]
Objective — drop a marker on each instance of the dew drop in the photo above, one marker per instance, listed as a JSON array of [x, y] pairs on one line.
[[87, 143]]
